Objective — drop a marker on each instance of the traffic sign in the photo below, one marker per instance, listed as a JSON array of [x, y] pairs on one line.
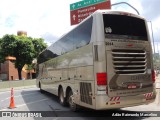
[[82, 9]]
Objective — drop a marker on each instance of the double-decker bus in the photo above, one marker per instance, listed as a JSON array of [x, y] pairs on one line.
[[105, 62]]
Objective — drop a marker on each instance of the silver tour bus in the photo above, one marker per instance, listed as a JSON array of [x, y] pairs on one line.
[[105, 62]]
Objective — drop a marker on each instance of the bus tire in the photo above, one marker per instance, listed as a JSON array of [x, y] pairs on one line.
[[62, 99], [72, 105]]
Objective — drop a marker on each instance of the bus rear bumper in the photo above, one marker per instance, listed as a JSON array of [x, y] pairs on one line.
[[103, 103]]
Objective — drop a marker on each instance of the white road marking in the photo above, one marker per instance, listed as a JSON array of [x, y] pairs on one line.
[[16, 89], [5, 109]]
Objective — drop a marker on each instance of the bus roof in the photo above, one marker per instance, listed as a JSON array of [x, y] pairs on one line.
[[118, 13]]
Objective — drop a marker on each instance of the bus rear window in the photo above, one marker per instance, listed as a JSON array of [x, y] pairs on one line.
[[121, 26]]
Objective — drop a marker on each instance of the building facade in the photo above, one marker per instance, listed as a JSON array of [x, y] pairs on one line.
[[8, 70]]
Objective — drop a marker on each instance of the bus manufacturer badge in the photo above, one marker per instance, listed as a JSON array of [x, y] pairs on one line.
[[131, 86], [108, 30]]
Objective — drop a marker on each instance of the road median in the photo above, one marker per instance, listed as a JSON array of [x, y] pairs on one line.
[[17, 84]]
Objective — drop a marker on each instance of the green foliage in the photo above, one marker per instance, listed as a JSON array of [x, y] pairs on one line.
[[8, 43], [25, 49], [39, 45], [156, 60], [30, 66]]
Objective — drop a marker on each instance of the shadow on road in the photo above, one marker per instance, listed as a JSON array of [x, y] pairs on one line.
[[51, 108]]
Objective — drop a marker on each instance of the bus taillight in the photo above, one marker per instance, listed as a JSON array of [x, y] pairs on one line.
[[101, 78], [153, 76]]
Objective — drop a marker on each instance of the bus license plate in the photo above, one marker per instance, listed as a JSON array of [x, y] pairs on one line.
[[132, 86]]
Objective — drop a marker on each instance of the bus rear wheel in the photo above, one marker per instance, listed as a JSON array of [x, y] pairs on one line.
[[71, 103], [62, 99]]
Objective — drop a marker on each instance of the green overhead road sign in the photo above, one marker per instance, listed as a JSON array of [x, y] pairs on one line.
[[85, 3], [80, 10]]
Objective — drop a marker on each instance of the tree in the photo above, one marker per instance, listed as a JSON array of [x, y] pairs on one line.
[[7, 45], [39, 45], [22, 48], [156, 61], [2, 58]]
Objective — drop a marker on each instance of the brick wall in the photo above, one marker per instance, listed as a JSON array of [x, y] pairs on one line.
[[8, 69]]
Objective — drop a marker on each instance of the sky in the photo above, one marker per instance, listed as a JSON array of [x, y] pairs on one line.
[[50, 19]]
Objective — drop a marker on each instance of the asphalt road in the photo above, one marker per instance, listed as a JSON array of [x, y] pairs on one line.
[[31, 99]]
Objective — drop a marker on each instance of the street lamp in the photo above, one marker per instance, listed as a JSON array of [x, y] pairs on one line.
[[138, 14], [152, 37], [126, 4]]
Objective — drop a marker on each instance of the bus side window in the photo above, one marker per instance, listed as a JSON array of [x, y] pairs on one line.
[[82, 34]]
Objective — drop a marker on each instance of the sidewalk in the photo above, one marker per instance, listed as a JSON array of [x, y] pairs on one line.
[[17, 88]]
